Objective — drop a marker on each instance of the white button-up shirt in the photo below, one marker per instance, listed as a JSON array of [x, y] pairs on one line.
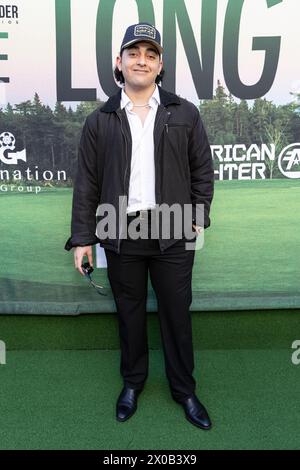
[[142, 172]]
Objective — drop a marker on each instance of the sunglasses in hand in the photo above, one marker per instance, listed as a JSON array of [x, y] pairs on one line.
[[87, 270]]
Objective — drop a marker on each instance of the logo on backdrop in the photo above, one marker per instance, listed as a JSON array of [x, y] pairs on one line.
[[296, 353], [9, 13], [2, 352], [7, 145], [252, 162], [289, 161], [20, 179]]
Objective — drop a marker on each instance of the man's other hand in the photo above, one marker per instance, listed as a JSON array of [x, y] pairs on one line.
[[197, 229], [79, 253]]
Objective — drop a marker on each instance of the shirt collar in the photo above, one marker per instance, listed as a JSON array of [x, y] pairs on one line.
[[153, 101]]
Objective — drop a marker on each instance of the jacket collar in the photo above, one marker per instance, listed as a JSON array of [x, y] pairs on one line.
[[113, 103]]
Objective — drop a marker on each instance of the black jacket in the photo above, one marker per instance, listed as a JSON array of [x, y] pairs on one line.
[[183, 165]]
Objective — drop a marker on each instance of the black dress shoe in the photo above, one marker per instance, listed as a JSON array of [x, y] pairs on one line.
[[195, 412], [127, 403]]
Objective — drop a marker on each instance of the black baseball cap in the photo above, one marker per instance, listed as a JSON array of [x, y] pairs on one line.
[[142, 32]]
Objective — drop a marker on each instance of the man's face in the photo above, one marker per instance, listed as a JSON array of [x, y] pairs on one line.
[[140, 64]]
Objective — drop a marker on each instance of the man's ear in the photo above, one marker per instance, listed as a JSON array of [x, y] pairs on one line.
[[119, 63], [161, 67]]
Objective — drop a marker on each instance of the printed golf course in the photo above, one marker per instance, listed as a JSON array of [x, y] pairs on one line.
[[250, 258]]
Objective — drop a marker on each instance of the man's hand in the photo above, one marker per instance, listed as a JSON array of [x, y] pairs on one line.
[[79, 253], [197, 229]]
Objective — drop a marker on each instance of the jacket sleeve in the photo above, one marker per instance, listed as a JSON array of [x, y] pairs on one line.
[[201, 171], [86, 192]]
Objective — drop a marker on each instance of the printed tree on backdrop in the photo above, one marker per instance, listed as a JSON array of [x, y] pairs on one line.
[[264, 130], [226, 121], [18, 122], [293, 118], [242, 120], [67, 131], [217, 114], [42, 124], [279, 134]]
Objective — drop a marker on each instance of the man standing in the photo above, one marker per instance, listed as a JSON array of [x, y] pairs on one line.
[[149, 145]]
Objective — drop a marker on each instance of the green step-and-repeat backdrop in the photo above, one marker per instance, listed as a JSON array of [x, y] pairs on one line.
[[237, 60]]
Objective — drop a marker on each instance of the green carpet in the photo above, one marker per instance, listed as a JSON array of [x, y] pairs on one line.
[[61, 380], [66, 400], [269, 329]]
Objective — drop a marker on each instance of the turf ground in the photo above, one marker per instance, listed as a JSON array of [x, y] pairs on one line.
[[66, 400], [61, 380]]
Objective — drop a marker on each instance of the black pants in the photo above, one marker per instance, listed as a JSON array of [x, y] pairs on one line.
[[171, 278]]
